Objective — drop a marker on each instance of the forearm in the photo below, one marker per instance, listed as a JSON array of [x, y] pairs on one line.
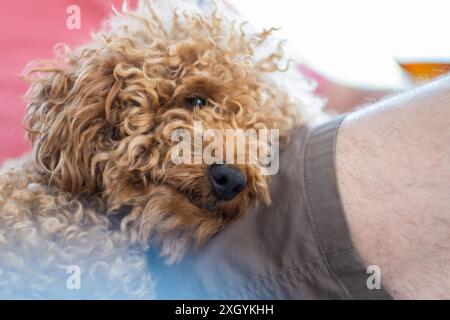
[[393, 167]]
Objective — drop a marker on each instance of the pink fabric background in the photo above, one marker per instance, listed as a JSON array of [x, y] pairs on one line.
[[29, 29]]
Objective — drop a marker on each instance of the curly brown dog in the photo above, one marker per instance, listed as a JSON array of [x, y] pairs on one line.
[[100, 187]]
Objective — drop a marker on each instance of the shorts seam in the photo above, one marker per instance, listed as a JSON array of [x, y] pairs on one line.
[[306, 195]]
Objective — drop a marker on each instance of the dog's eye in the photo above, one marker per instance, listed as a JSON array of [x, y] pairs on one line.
[[196, 102]]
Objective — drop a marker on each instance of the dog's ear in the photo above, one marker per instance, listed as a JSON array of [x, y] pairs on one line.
[[67, 123]]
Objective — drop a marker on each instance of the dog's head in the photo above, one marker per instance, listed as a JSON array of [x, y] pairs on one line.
[[103, 121]]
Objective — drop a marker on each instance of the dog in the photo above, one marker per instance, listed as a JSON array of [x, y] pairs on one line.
[[100, 188]]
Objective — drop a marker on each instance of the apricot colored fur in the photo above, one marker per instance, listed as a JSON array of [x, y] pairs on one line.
[[100, 119]]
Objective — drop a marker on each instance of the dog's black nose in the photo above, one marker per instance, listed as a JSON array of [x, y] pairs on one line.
[[227, 182]]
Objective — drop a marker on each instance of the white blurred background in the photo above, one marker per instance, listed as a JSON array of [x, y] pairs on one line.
[[356, 42]]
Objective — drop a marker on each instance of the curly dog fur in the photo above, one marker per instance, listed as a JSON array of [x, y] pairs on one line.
[[100, 119]]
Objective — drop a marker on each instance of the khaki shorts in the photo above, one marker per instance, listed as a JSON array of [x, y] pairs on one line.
[[297, 248]]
